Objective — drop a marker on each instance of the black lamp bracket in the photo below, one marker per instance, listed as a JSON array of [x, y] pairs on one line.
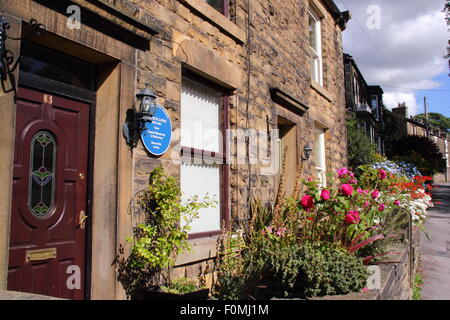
[[8, 63]]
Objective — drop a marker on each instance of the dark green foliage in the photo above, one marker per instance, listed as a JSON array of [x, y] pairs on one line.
[[277, 262], [423, 153], [360, 149], [291, 270], [435, 119], [391, 130], [329, 271]]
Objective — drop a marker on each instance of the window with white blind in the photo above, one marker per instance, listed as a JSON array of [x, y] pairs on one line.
[[320, 156], [315, 44], [201, 128]]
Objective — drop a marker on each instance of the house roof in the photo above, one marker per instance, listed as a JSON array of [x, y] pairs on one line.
[[341, 17]]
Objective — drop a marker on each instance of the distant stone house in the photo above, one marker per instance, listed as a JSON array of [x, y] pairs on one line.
[[365, 101], [408, 126], [69, 176]]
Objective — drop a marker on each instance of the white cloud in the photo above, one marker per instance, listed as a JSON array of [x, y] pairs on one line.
[[392, 99], [406, 52]]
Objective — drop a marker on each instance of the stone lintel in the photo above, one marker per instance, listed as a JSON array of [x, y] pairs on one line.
[[208, 64], [288, 101]]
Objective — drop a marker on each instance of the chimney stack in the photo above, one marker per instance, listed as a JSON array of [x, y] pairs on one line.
[[401, 110]]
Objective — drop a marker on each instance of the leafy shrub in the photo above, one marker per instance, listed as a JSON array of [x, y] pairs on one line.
[[360, 149], [421, 152], [329, 271], [161, 236], [276, 261], [232, 278], [181, 286]]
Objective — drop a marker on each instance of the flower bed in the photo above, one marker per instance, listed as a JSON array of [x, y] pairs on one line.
[[320, 243]]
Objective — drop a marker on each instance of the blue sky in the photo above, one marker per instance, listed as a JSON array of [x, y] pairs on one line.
[[400, 45]]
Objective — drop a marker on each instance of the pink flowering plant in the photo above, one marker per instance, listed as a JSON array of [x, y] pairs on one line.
[[348, 212]]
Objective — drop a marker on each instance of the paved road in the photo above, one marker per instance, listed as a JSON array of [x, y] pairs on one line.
[[435, 257]]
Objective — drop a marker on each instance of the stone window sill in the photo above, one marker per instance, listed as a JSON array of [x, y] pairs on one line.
[[321, 90], [217, 19], [202, 249]]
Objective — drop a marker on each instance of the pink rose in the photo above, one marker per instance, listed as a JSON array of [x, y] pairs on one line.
[[342, 172], [346, 189], [397, 202], [353, 181], [382, 174], [360, 190], [352, 217], [366, 204], [375, 194], [325, 194], [307, 201], [381, 207]]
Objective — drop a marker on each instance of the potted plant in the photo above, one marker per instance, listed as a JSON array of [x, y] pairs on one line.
[[178, 289], [160, 236]]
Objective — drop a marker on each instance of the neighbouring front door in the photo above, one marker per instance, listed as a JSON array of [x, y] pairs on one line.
[[47, 238]]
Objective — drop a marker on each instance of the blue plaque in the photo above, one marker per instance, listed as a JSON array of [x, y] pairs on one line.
[[158, 132]]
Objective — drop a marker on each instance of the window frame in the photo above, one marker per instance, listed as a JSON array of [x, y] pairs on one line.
[[316, 53], [225, 8], [195, 153], [322, 169]]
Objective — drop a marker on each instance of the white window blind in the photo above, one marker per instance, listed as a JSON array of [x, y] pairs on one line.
[[202, 180], [200, 129], [200, 107]]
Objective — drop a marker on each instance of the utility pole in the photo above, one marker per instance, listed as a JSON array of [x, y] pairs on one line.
[[426, 116]]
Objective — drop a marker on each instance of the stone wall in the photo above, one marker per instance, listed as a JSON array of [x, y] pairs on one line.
[[271, 50]]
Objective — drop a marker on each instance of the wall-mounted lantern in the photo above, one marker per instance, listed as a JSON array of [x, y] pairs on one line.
[[136, 120], [307, 150]]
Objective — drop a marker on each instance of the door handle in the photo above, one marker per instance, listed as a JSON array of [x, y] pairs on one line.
[[82, 220]]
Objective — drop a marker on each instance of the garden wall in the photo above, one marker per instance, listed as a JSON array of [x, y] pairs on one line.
[[396, 278]]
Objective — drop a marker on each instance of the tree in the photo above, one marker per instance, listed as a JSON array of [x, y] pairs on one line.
[[436, 119], [360, 149], [391, 131], [423, 153]]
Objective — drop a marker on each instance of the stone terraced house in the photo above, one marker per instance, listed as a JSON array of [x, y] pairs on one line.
[[68, 172], [365, 102], [407, 126]]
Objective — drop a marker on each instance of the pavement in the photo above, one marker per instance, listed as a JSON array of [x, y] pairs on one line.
[[435, 252], [13, 295]]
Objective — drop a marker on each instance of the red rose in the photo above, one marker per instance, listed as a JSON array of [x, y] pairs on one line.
[[352, 217], [375, 194], [346, 189], [325, 194], [307, 201]]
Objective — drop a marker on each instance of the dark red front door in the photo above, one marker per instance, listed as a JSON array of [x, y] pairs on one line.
[[47, 241]]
